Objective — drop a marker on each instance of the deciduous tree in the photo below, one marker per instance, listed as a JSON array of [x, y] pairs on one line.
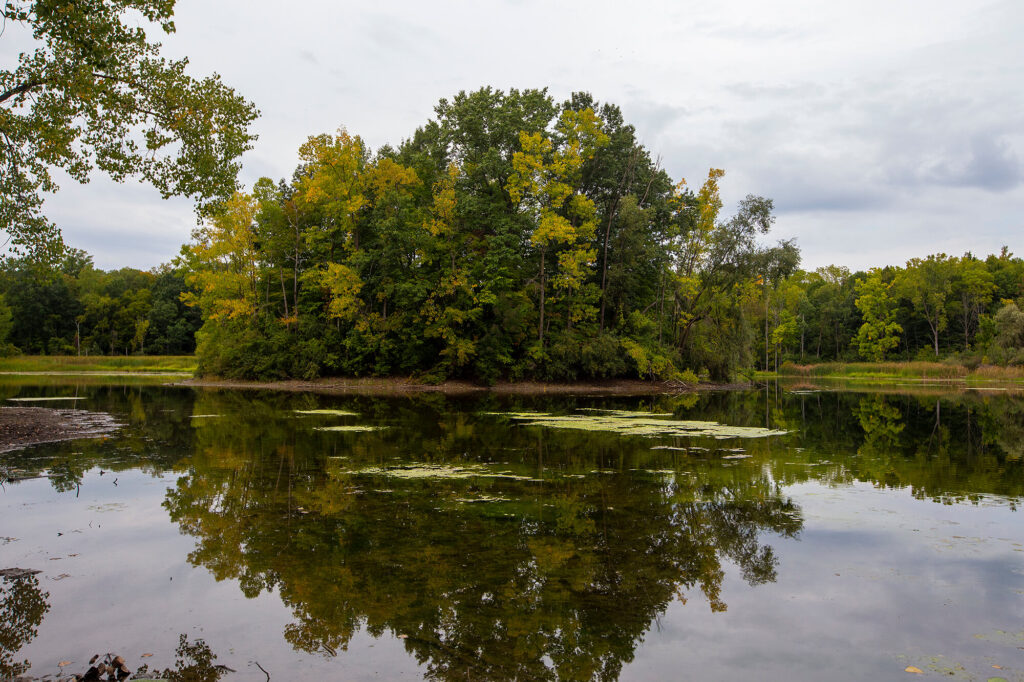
[[94, 92]]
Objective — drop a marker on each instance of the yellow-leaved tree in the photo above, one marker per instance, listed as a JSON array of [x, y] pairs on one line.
[[546, 182], [452, 302], [224, 262], [332, 184]]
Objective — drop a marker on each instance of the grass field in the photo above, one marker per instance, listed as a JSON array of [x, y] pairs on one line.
[[949, 371], [99, 363]]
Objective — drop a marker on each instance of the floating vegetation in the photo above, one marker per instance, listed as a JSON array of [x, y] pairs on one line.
[[626, 413], [481, 498], [205, 416], [518, 415], [335, 413], [42, 398], [1003, 637], [442, 471], [633, 425], [350, 429]]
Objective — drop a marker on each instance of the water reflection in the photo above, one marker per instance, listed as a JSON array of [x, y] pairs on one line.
[[507, 551], [22, 607], [560, 575]]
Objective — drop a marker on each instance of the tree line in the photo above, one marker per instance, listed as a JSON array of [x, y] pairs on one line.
[[73, 308], [935, 307], [511, 237]]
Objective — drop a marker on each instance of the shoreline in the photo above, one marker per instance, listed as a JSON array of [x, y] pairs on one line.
[[405, 386]]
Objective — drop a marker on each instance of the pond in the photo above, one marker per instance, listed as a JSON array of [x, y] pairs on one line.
[[799, 533]]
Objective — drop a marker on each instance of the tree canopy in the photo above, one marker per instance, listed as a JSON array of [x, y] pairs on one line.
[[510, 237], [95, 93]]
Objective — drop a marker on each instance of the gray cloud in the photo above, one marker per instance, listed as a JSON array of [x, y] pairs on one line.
[[990, 163]]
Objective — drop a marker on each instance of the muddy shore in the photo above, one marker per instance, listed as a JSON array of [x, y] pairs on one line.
[[401, 386], [24, 426]]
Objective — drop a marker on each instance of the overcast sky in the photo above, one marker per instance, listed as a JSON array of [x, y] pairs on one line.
[[883, 129]]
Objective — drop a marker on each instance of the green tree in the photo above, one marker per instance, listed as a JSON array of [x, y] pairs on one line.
[[546, 183], [972, 291], [1009, 323], [95, 93], [927, 284], [879, 333]]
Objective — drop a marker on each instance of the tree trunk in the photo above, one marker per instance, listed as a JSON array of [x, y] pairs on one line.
[[543, 287], [661, 307], [608, 228], [284, 292], [604, 259], [802, 332]]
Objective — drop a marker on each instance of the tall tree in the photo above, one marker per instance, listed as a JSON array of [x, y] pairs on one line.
[[973, 287], [928, 283], [879, 333]]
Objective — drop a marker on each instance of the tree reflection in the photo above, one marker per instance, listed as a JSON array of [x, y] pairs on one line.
[[22, 607], [559, 576]]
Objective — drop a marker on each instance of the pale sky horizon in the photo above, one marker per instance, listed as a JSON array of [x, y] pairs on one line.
[[882, 130]]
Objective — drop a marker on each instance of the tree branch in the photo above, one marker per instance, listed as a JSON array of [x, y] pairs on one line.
[[20, 89]]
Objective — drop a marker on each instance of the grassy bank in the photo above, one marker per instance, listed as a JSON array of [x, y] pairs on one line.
[[99, 363], [948, 371]]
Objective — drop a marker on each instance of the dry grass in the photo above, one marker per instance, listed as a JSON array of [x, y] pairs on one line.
[[916, 369], [998, 373]]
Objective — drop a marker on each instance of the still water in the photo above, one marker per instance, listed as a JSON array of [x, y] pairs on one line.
[[839, 534]]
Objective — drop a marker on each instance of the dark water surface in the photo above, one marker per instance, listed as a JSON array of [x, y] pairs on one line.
[[465, 541]]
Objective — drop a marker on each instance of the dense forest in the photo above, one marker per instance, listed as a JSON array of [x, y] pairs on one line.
[[76, 309], [966, 308], [510, 237]]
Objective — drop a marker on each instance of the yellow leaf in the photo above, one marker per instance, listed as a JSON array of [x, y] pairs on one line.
[[913, 669]]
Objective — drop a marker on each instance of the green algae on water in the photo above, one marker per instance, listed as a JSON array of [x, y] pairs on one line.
[[643, 426], [628, 414], [441, 471]]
